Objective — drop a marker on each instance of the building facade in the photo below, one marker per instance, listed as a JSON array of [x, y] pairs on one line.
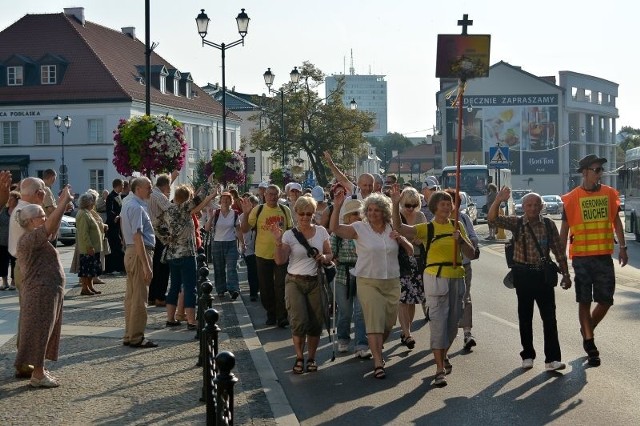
[[546, 127], [62, 64], [369, 92]]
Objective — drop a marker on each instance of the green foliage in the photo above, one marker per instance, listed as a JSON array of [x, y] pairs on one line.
[[387, 144], [631, 139], [307, 123]]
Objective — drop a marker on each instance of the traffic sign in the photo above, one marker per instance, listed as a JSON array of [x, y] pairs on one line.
[[499, 156]]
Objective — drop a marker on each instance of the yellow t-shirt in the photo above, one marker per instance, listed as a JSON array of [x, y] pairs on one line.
[[265, 244], [441, 249]]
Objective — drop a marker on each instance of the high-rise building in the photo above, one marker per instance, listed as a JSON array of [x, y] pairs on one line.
[[369, 92]]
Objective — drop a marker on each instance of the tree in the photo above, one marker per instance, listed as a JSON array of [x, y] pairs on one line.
[[311, 125], [630, 139], [389, 143]]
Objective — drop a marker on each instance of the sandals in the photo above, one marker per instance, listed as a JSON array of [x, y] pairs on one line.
[[440, 380], [175, 323], [379, 373], [447, 366], [312, 367], [298, 367], [144, 344], [409, 342]]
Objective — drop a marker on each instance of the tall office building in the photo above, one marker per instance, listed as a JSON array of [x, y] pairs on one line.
[[369, 92]]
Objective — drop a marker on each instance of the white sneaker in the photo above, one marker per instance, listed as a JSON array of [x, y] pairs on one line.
[[554, 366], [343, 347], [363, 354], [527, 364]]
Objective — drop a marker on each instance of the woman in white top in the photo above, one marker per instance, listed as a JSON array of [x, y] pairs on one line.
[[302, 293], [224, 249], [377, 270]]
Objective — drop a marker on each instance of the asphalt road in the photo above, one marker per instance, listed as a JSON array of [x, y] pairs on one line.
[[487, 386]]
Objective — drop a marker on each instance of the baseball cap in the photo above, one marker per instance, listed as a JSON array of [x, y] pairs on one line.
[[318, 193], [589, 160], [263, 184], [430, 182], [351, 206], [294, 185]]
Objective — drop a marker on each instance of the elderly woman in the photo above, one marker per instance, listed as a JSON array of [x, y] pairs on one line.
[[411, 286], [89, 236], [444, 275], [345, 256], [101, 224], [377, 270], [225, 232], [302, 292], [181, 252], [41, 290]]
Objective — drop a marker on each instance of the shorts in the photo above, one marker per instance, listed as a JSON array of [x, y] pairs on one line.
[[303, 300], [595, 279]]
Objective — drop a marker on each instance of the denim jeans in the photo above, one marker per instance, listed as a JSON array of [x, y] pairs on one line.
[[183, 275], [348, 309], [225, 265]]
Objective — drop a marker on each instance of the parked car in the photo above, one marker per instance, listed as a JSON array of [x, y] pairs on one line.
[[469, 207], [553, 204], [67, 231]]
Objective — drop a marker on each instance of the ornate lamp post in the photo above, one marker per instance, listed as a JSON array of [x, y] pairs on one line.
[[202, 21], [294, 77], [58, 121]]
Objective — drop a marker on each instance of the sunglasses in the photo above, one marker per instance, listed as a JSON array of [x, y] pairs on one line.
[[410, 206], [596, 169], [307, 214]]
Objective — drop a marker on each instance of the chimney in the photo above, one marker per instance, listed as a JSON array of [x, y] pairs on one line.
[[76, 12], [130, 31]]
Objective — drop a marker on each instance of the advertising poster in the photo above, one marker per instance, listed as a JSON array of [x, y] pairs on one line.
[[526, 124]]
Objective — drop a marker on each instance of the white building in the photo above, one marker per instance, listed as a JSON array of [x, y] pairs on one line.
[[62, 64]]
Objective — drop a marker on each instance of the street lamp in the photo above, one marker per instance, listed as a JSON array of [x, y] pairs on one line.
[[202, 21], [294, 77], [58, 121]]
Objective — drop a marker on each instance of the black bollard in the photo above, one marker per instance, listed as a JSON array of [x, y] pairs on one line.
[[204, 304], [224, 383], [210, 344]]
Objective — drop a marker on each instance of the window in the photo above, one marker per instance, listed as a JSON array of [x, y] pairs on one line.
[[48, 74], [96, 133], [187, 90], [15, 76], [163, 84], [9, 133], [176, 87], [96, 179], [42, 132]]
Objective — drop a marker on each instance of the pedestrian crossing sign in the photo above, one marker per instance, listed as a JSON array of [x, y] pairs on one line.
[[499, 156]]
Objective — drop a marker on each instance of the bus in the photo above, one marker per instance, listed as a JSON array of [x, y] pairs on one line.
[[474, 180], [629, 187]]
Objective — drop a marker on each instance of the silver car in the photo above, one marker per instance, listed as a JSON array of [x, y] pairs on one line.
[[469, 207], [67, 231], [553, 204]]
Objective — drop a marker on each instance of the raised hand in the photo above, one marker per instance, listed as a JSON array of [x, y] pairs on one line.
[[395, 193]]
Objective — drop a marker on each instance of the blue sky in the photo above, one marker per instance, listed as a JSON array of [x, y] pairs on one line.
[[394, 38]]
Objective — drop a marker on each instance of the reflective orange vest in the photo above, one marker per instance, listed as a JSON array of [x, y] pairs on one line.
[[590, 216]]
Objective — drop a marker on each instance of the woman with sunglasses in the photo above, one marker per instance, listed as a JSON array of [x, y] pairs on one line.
[[302, 293], [411, 286], [444, 275], [377, 269]]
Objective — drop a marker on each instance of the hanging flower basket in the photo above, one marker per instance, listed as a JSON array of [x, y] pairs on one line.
[[281, 177], [226, 167], [149, 144]]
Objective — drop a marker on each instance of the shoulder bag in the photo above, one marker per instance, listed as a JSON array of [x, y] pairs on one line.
[[329, 269], [551, 269]]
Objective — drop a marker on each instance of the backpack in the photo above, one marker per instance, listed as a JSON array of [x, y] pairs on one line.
[[509, 246]]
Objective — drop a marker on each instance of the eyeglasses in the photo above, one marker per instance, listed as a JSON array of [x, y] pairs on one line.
[[307, 214], [596, 169], [410, 206]]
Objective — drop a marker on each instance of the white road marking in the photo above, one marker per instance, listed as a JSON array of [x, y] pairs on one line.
[[500, 320]]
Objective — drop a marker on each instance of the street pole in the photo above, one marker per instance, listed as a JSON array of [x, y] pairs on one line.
[[284, 154], [202, 21]]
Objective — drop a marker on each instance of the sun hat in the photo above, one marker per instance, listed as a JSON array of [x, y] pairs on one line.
[[263, 184], [430, 182], [351, 206], [318, 193], [294, 185], [589, 160]]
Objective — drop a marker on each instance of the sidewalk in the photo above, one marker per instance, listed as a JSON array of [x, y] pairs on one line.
[[104, 382]]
